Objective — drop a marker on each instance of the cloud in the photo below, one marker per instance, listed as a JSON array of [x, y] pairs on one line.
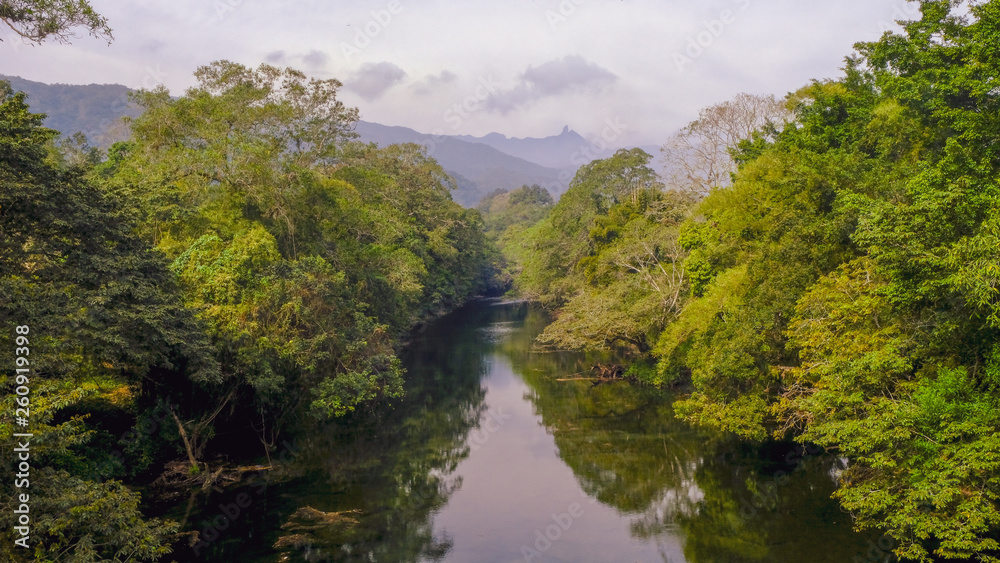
[[316, 59], [772, 47], [570, 74], [372, 80], [153, 46], [275, 57], [433, 81]]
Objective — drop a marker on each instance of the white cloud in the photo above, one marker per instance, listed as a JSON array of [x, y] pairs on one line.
[[605, 60], [571, 74], [372, 80], [432, 82]]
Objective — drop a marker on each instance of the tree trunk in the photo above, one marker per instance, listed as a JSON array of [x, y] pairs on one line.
[[184, 437]]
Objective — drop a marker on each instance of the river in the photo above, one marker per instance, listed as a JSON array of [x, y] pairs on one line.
[[491, 458]]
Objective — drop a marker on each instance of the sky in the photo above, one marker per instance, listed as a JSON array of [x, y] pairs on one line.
[[634, 71]]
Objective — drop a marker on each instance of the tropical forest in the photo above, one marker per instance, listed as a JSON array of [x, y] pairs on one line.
[[242, 330]]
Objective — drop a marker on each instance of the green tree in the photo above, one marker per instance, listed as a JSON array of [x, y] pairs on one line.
[[102, 313], [550, 252], [508, 212], [635, 278], [846, 285], [38, 20], [306, 254]]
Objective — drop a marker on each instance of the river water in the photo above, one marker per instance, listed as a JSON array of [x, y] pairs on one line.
[[491, 458]]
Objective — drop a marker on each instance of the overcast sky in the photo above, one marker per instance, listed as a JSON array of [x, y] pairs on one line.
[[524, 68]]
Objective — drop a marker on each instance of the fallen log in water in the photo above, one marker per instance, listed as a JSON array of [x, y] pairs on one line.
[[601, 373]]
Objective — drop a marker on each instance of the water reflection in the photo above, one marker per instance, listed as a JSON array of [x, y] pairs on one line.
[[728, 500], [399, 469], [491, 458]]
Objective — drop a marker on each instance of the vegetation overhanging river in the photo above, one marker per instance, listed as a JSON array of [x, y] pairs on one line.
[[493, 456]]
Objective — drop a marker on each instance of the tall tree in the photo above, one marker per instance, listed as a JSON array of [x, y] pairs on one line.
[[699, 157], [551, 251], [306, 254], [98, 312]]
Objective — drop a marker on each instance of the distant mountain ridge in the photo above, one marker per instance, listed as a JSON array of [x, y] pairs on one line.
[[479, 165], [93, 109], [560, 151], [478, 168]]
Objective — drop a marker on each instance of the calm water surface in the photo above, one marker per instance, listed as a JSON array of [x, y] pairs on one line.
[[490, 459]]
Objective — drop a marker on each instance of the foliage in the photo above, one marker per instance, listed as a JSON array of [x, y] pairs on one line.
[[549, 253], [506, 216], [236, 260], [506, 211], [841, 289], [635, 278], [306, 255], [733, 501], [608, 255], [835, 280], [921, 434], [846, 285], [38, 20], [100, 306]]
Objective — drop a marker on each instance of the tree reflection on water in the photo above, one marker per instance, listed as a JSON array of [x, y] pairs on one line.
[[368, 488]]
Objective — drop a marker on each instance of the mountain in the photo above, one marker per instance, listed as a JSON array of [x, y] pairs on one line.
[[93, 109], [565, 150], [477, 168]]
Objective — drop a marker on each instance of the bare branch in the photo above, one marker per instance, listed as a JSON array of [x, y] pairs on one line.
[[698, 157]]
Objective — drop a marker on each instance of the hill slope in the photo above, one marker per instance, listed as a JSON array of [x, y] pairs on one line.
[[93, 109]]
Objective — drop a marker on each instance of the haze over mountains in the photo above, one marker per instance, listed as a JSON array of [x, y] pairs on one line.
[[92, 109], [479, 165]]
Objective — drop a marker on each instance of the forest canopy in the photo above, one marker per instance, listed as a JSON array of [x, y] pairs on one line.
[[37, 20], [823, 269], [222, 267]]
